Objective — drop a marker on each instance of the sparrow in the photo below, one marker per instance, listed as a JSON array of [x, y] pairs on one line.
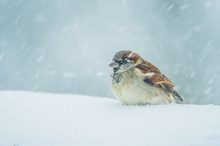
[[135, 81]]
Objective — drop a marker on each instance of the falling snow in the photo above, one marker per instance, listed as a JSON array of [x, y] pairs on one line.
[[66, 46]]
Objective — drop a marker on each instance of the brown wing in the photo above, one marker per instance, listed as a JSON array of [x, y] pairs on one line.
[[153, 76], [147, 67], [161, 79], [151, 66], [156, 76]]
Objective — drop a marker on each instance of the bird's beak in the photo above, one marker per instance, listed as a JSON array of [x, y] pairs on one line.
[[114, 64]]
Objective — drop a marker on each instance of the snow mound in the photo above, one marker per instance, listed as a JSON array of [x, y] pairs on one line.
[[40, 119]]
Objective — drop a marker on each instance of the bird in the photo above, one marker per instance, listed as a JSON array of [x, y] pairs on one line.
[[135, 81]]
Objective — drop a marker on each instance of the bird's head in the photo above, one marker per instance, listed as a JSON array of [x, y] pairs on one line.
[[124, 60]]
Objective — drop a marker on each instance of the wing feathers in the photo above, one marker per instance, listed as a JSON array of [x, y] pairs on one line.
[[154, 77]]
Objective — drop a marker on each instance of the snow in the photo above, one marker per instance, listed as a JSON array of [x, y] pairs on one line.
[[68, 75], [1, 56], [42, 119], [62, 43], [99, 74]]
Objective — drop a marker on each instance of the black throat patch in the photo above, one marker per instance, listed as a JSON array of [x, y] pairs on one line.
[[116, 78]]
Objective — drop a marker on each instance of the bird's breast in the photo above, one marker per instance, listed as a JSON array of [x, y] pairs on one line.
[[131, 90]]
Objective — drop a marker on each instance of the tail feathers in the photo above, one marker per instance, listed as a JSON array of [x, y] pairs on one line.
[[177, 97]]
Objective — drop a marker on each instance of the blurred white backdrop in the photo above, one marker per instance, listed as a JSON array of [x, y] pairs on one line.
[[64, 46]]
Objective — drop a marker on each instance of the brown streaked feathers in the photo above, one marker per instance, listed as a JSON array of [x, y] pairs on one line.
[[157, 78], [131, 63]]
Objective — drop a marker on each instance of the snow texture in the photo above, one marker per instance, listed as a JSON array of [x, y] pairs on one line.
[[40, 119]]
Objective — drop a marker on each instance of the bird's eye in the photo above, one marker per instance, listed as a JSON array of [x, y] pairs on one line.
[[122, 61]]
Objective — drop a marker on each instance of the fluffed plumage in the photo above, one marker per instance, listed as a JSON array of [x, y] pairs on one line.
[[137, 81]]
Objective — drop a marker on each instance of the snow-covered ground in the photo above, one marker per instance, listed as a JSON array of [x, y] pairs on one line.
[[40, 119]]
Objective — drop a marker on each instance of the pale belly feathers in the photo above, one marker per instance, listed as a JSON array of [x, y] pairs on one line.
[[134, 91]]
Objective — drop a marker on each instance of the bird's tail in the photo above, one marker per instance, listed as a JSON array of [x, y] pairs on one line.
[[179, 99]]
